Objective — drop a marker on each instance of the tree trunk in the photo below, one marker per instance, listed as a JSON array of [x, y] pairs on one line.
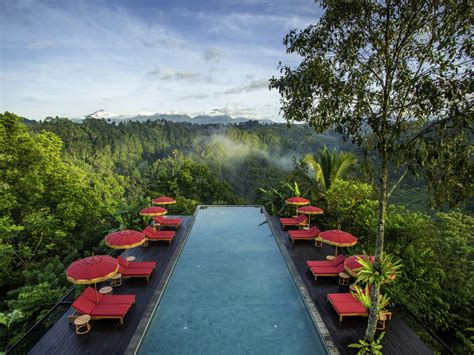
[[379, 243]]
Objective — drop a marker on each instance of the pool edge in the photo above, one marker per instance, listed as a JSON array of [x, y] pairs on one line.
[[310, 306], [142, 327]]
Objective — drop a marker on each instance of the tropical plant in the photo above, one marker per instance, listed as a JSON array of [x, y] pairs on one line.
[[275, 198], [363, 295], [372, 347], [7, 320], [376, 275], [317, 172], [393, 76]]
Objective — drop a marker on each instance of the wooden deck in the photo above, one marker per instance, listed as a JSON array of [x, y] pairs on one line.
[[108, 336], [398, 339]]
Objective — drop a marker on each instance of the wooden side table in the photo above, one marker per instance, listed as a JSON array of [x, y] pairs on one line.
[[130, 258], [145, 243], [344, 279], [318, 242], [381, 320], [82, 324], [106, 290], [116, 280], [330, 257]]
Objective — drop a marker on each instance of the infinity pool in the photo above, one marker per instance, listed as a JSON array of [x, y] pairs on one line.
[[231, 293]]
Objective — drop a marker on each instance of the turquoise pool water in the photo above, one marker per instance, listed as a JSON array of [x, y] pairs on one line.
[[231, 293]]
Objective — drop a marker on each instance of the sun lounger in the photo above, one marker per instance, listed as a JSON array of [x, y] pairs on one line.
[[155, 235], [319, 271], [128, 272], [308, 234], [345, 305], [168, 222], [99, 298], [137, 264], [300, 221], [84, 305], [322, 263]]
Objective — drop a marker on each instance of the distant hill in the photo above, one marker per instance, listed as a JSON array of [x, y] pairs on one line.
[[177, 118]]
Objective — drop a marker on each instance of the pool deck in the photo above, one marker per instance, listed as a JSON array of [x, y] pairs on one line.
[[107, 336], [399, 337]]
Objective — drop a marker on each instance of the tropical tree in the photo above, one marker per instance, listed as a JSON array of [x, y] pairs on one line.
[[393, 76], [7, 320], [318, 172]]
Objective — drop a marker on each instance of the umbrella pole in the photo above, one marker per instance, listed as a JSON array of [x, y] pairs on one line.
[[336, 250], [96, 296]]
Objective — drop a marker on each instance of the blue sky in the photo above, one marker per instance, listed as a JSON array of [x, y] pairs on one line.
[[71, 58]]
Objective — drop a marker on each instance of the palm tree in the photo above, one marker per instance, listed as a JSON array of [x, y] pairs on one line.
[[316, 173]]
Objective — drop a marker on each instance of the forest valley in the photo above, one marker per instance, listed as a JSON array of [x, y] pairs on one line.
[[65, 185]]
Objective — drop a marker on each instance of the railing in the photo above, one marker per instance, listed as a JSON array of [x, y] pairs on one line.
[[37, 331]]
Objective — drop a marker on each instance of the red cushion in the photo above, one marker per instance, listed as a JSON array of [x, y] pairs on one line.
[[110, 310], [339, 259], [139, 264], [117, 299], [342, 298], [92, 295], [167, 220], [122, 261], [139, 271], [313, 232], [83, 305], [327, 270], [320, 263], [346, 308], [149, 232], [165, 235]]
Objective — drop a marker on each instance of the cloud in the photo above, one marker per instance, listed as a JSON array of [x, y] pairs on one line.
[[212, 55], [184, 76], [252, 86], [154, 72], [195, 97]]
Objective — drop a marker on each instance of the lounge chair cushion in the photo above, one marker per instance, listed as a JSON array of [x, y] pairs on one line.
[[110, 310], [166, 221], [158, 235], [136, 272], [83, 305], [301, 219], [136, 264], [321, 263], [313, 232], [347, 308], [342, 298], [98, 298], [327, 270]]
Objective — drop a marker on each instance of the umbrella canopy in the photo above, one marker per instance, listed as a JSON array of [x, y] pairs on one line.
[[309, 210], [92, 269], [125, 239], [164, 200], [338, 238], [153, 211], [352, 266], [297, 201]]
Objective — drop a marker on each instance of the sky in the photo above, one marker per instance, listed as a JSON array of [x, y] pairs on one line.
[[72, 58]]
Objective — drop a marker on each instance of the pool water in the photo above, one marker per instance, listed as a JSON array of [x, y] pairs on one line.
[[231, 293]]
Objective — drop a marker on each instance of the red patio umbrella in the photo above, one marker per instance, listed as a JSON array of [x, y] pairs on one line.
[[124, 239], [164, 200], [153, 211], [297, 201], [352, 266], [92, 269], [310, 210], [338, 238]]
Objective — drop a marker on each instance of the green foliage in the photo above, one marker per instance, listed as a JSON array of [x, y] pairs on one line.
[[8, 319], [373, 347], [372, 274]]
